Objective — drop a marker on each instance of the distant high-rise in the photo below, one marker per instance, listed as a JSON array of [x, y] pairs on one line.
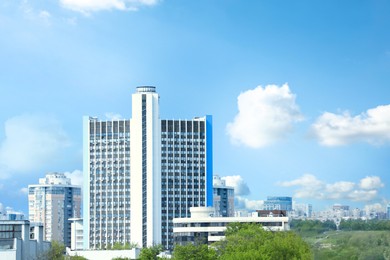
[[141, 173], [53, 202], [278, 203], [223, 198]]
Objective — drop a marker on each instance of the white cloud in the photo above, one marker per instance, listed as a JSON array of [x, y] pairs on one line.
[[76, 177], [311, 187], [371, 182], [372, 127], [88, 6], [265, 115], [241, 189], [247, 204], [31, 141], [362, 195], [112, 116], [238, 183]]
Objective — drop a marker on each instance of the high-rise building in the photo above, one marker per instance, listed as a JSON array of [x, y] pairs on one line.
[[141, 173], [278, 203], [53, 202], [223, 198]]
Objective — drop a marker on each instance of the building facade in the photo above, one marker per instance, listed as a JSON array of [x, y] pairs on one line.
[[223, 198], [141, 173], [203, 227], [19, 240], [53, 202], [278, 203]]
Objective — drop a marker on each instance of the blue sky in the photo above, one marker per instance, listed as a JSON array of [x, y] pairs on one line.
[[299, 90]]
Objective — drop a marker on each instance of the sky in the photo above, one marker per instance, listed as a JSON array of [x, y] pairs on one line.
[[299, 91]]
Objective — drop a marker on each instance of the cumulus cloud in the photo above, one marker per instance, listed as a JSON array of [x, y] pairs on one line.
[[372, 126], [238, 183], [241, 190], [88, 6], [311, 187], [76, 177], [247, 204], [31, 141], [265, 115], [371, 182]]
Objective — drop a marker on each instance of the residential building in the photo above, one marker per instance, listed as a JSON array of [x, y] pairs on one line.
[[203, 227], [20, 241], [223, 198], [52, 202], [77, 234], [141, 173], [278, 203]]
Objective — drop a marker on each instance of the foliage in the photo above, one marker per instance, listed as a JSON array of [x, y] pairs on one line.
[[151, 253], [251, 241], [312, 226], [121, 258], [351, 245], [56, 251], [364, 225], [126, 246], [194, 252]]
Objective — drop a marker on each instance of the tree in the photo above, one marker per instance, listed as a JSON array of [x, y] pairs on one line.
[[56, 251], [151, 253], [194, 252], [251, 241], [126, 246]]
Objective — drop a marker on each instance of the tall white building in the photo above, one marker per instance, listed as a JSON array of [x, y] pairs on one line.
[[53, 202], [141, 173], [145, 168]]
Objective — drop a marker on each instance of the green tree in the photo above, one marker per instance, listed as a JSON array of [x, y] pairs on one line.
[[194, 252], [151, 253], [126, 246], [56, 251], [251, 241]]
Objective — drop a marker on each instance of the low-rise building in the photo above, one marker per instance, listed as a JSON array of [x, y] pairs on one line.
[[20, 241], [202, 227]]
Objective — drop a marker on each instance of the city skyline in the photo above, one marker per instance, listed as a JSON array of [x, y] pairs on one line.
[[298, 91]]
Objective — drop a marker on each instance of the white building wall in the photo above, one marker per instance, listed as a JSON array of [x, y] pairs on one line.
[[153, 172]]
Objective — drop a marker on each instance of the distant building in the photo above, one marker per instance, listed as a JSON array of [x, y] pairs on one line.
[[302, 211], [12, 215], [201, 227], [223, 199], [53, 202], [388, 211], [20, 241], [340, 207], [278, 203]]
